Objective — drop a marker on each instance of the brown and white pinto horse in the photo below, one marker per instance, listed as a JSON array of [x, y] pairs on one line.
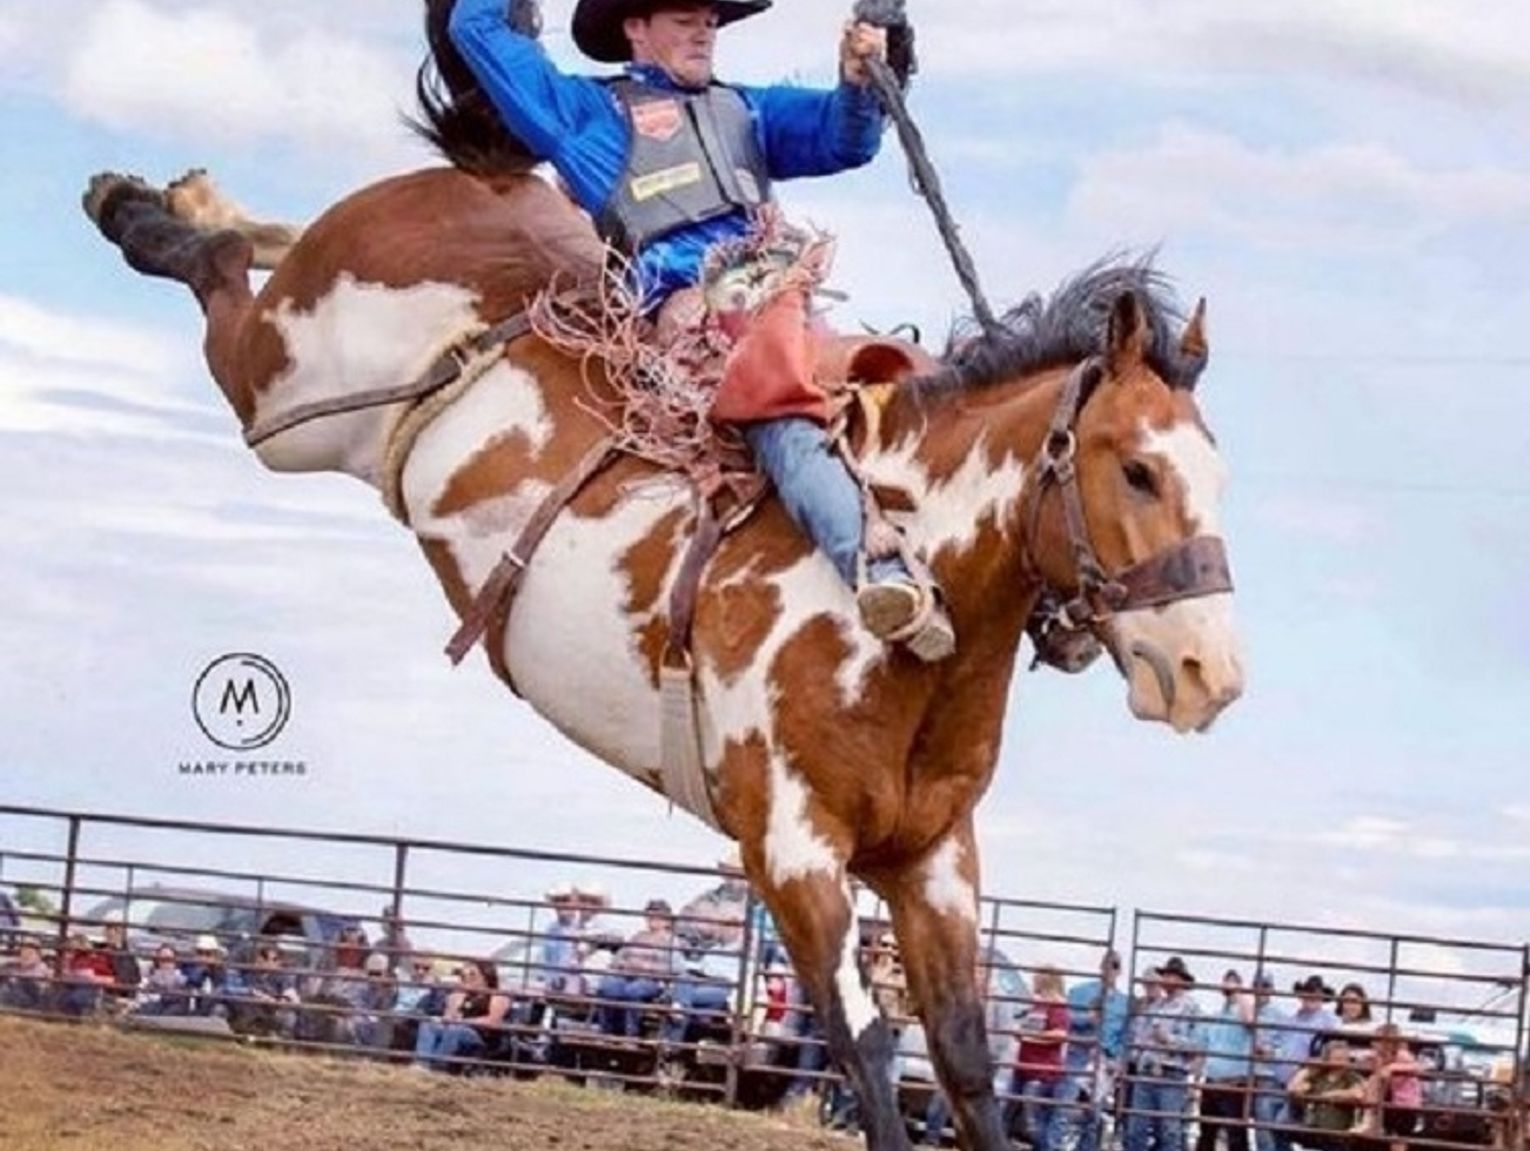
[[829, 755]]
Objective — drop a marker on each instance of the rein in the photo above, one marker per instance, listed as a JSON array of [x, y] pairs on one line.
[[1190, 569], [446, 370]]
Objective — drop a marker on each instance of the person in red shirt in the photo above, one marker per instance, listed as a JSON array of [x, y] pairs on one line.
[[1039, 1061], [85, 972]]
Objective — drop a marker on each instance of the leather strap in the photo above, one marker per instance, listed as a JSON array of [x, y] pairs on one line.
[[498, 592], [1197, 567], [444, 370], [705, 541]]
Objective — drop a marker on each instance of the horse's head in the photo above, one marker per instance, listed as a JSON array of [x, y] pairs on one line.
[[1139, 551]]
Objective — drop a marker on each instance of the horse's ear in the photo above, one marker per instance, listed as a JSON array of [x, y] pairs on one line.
[[1194, 345], [1127, 345], [1194, 348]]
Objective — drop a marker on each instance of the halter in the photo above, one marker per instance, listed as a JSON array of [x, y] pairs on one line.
[[1190, 569]]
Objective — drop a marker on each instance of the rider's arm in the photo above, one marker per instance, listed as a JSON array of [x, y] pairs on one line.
[[539, 104], [813, 132]]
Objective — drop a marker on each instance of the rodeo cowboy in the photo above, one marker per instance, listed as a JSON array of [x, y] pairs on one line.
[[670, 164]]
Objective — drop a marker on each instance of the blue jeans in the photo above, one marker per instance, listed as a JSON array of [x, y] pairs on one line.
[[1076, 1113], [1270, 1107], [818, 493], [439, 1041], [1163, 1098], [624, 1021], [1036, 1109], [704, 1004]]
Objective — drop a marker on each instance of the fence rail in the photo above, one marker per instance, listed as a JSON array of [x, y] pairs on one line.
[[724, 1020]]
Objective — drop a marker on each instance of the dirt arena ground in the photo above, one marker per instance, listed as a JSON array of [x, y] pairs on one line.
[[82, 1088]]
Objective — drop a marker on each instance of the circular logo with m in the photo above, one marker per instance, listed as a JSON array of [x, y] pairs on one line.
[[241, 702]]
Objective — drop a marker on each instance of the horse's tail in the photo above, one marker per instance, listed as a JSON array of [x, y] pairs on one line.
[[455, 115]]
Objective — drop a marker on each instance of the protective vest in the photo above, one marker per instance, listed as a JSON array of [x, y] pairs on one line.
[[692, 156]]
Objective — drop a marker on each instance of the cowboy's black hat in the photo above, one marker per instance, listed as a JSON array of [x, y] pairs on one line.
[[598, 23], [1176, 968]]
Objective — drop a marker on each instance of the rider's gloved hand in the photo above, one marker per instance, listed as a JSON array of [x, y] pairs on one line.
[[525, 17], [860, 43]]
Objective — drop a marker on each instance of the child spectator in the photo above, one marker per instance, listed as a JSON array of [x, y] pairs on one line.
[[266, 996], [1039, 1062], [1330, 1093], [640, 973], [86, 974]]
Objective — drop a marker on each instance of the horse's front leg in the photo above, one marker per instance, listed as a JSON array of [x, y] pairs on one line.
[[815, 914], [934, 903]]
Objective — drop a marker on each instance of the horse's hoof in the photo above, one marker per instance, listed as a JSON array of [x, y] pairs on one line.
[[114, 187]]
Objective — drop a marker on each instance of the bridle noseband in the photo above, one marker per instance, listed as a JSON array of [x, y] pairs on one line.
[[1190, 569]]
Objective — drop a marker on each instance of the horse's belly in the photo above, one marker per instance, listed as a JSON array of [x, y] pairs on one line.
[[572, 645]]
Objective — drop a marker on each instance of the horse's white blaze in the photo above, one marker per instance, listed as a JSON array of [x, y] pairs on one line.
[[358, 337], [794, 848], [1195, 640], [861, 1011], [946, 889], [1193, 458]]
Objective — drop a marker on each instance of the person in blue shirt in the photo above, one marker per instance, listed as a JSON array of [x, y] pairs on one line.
[[670, 164], [1097, 1013], [1229, 1037]]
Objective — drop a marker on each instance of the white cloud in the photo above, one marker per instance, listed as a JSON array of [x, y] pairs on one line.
[[1338, 197], [84, 341], [214, 73], [1474, 51]]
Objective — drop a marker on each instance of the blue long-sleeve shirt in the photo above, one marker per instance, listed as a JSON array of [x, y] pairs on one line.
[[578, 125], [1096, 1021]]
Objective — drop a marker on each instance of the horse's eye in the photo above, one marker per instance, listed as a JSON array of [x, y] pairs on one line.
[[1140, 477]]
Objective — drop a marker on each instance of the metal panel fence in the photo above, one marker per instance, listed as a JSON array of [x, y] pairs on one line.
[[493, 960]]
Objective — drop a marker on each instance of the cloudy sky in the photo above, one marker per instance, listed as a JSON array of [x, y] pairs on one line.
[[1349, 184]]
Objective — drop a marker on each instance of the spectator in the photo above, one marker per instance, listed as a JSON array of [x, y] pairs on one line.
[[341, 993], [122, 963], [564, 943], [1269, 1085], [422, 997], [164, 988], [1039, 1062], [1097, 1012], [26, 984], [640, 973], [470, 1022], [1229, 1038], [1329, 1093], [1173, 1045], [1311, 1019], [1354, 1007], [394, 942], [1139, 1038], [703, 996], [86, 975], [1395, 1091], [265, 996], [716, 918], [373, 1027], [207, 979]]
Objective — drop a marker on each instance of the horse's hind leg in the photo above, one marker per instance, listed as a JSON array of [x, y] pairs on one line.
[[214, 265], [816, 918], [935, 911]]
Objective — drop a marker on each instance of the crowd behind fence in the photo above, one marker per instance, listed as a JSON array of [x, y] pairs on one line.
[[468, 960]]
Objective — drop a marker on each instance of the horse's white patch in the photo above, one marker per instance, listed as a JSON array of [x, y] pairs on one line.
[[1194, 459], [794, 849], [861, 1011], [358, 337], [505, 401], [946, 889], [570, 644], [948, 514]]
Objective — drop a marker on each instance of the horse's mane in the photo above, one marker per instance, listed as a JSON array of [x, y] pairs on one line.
[[1070, 325], [455, 115]]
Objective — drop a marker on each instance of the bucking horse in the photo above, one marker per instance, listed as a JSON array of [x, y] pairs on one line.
[[1060, 458]]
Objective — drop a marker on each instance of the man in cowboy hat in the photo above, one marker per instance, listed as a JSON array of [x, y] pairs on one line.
[[670, 165], [1173, 1045]]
